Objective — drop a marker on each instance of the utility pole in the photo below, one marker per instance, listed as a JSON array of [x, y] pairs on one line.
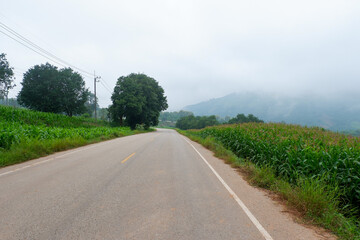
[[95, 80], [6, 95]]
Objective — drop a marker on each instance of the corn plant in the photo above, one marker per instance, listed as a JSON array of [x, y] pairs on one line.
[[296, 152]]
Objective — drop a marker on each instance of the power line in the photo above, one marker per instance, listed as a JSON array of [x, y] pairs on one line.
[[27, 30], [46, 54], [39, 50], [35, 50], [101, 82], [32, 49], [107, 85]]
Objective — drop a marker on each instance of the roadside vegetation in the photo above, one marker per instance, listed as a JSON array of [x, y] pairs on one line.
[[50, 93], [198, 122], [314, 170], [169, 119], [27, 134]]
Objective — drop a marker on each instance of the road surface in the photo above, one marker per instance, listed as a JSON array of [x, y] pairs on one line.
[[157, 185]]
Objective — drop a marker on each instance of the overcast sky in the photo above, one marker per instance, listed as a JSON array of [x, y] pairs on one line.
[[195, 49]]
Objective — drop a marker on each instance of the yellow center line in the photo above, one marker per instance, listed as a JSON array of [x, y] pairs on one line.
[[127, 158]]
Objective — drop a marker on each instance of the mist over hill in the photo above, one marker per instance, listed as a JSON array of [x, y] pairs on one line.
[[337, 113]]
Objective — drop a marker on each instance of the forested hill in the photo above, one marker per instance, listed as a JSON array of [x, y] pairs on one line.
[[327, 112]]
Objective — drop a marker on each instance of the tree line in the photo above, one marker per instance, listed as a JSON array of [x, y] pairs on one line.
[[198, 122], [169, 119], [137, 99]]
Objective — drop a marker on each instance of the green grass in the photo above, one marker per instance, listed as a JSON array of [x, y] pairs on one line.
[[318, 200], [26, 134], [29, 117]]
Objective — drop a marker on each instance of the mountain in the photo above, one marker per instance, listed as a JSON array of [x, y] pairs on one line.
[[337, 113]]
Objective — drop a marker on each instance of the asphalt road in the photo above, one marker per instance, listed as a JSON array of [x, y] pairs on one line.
[[147, 186]]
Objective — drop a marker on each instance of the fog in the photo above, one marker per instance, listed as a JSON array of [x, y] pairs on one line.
[[197, 50]]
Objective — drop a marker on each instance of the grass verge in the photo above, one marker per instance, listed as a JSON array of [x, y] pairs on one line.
[[35, 148], [316, 202]]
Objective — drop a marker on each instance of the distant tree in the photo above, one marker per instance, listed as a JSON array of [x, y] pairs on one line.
[[252, 118], [6, 77], [103, 114], [47, 89], [174, 116], [241, 118], [168, 119], [89, 105], [192, 122], [10, 102], [138, 99], [185, 123]]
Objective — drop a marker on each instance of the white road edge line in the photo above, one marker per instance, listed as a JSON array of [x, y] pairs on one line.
[[237, 199]]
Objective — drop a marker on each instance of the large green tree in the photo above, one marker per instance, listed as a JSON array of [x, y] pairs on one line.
[[138, 99], [47, 89], [6, 77], [74, 94]]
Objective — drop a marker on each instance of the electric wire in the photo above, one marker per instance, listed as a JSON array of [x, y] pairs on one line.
[[26, 29], [8, 29], [32, 49], [105, 87], [44, 53], [107, 84], [36, 51]]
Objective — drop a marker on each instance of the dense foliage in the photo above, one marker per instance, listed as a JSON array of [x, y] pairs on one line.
[[241, 118], [47, 89], [6, 77], [138, 99], [169, 119], [174, 116], [189, 121], [198, 122], [296, 152]]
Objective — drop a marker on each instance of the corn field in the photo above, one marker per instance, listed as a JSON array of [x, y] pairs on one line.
[[25, 116], [296, 152], [20, 126], [14, 133]]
